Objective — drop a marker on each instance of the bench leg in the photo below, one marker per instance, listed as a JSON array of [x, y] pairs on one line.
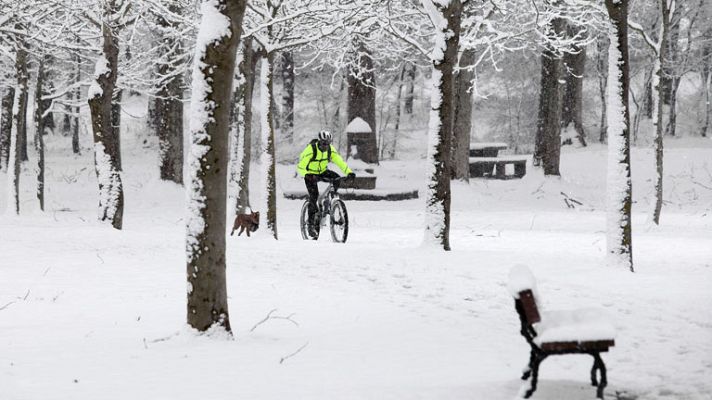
[[520, 170], [535, 375], [500, 170], [528, 369], [602, 368], [476, 170]]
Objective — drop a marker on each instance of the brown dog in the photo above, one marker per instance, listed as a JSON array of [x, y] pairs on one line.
[[249, 222]]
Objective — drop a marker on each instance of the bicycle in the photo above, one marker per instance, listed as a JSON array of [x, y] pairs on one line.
[[328, 205]]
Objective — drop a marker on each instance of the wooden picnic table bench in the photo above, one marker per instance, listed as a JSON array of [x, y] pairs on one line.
[[483, 166], [582, 331], [486, 149]]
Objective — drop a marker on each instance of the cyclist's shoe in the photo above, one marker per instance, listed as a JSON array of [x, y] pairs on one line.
[[311, 230]]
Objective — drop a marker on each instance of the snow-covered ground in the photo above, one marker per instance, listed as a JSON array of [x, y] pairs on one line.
[[88, 312]]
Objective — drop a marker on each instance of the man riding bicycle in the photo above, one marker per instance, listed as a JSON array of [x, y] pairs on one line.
[[312, 166]]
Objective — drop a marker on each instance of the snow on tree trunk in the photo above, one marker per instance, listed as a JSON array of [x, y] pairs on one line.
[[602, 71], [14, 159], [463, 118], [658, 110], [619, 190], [41, 107], [446, 17], [288, 81], [106, 147], [241, 129], [8, 100], [269, 188], [206, 188]]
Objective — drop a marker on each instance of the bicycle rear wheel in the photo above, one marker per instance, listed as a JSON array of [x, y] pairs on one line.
[[303, 224], [339, 222]]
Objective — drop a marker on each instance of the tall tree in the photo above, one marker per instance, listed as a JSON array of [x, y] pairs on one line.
[[547, 144], [446, 20], [168, 111], [463, 116], [241, 127], [362, 100], [619, 188], [8, 100], [213, 72], [106, 142], [288, 81], [20, 101], [42, 87], [574, 68]]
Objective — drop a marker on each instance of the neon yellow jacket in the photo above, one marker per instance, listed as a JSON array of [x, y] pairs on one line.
[[309, 163]]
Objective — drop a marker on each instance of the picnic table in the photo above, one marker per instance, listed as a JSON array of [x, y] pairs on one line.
[[486, 149], [484, 160]]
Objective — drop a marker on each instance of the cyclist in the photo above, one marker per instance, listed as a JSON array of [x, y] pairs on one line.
[[312, 166]]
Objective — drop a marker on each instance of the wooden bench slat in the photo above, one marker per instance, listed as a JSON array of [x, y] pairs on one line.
[[579, 347]]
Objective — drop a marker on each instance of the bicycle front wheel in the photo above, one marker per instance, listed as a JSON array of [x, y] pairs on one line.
[[304, 224], [339, 221]]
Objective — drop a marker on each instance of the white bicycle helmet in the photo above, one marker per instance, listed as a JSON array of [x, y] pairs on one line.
[[324, 136]]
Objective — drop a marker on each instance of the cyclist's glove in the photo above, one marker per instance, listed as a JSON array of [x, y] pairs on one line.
[[351, 176]]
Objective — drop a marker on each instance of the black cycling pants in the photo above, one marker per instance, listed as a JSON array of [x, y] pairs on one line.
[[311, 181]]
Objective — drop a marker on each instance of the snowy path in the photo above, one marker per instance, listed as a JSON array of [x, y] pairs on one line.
[[91, 313]]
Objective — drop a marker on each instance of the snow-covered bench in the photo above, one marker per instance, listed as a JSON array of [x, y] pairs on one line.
[[581, 331], [483, 166]]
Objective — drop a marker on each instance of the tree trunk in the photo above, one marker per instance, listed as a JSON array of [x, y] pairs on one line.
[[23, 128], [269, 180], [77, 95], [659, 133], [547, 144], [396, 128], [213, 72], [440, 127], [106, 145], [410, 86], [362, 103], [168, 108], [241, 128], [463, 117], [287, 116], [40, 121], [575, 67], [20, 101], [619, 191], [116, 124], [8, 100], [602, 69], [707, 79]]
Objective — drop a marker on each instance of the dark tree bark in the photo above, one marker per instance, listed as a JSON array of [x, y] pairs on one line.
[[116, 124], [77, 95], [287, 116], [602, 71], [442, 117], [8, 99], [396, 126], [213, 71], [23, 129], [362, 103], [241, 126], [106, 143], [18, 121], [410, 86], [41, 125], [269, 179], [575, 67], [463, 118], [167, 113], [547, 144], [620, 244], [659, 132]]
